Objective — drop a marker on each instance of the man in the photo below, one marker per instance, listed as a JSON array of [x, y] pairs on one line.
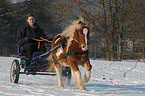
[[26, 36]]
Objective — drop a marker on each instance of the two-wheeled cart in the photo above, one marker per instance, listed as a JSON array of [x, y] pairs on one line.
[[39, 66]]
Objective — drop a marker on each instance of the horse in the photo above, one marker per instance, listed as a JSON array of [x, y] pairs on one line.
[[72, 51]]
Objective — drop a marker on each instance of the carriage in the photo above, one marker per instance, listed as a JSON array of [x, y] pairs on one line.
[[69, 49], [38, 66]]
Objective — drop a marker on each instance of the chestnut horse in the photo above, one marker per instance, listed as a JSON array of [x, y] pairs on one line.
[[73, 51]]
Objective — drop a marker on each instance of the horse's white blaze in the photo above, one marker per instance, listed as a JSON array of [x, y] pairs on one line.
[[59, 51], [85, 31]]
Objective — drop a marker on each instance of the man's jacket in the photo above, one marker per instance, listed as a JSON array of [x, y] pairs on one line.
[[25, 34]]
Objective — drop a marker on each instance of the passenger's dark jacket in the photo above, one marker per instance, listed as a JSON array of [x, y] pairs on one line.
[[25, 34]]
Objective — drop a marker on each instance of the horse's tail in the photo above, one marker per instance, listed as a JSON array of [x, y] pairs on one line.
[[51, 65]]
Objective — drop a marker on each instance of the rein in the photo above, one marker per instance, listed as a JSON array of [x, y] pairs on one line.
[[65, 55], [40, 40]]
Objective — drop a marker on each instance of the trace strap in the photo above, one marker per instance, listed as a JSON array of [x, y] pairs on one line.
[[65, 56]]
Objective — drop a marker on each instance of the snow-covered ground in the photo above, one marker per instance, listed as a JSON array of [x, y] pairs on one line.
[[109, 78]]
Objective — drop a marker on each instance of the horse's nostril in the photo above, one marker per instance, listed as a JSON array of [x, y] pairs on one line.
[[83, 46]]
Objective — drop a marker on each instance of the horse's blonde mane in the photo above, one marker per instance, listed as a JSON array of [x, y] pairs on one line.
[[69, 31]]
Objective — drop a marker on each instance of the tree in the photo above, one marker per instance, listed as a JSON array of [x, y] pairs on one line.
[[6, 28], [12, 17], [111, 20], [135, 14], [105, 17], [135, 21]]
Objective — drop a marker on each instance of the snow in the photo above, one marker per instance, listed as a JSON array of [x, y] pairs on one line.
[[109, 78]]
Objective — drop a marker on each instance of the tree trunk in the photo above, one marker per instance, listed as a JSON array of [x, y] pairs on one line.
[[120, 31], [119, 48], [134, 48], [112, 32], [107, 51], [105, 31], [111, 51]]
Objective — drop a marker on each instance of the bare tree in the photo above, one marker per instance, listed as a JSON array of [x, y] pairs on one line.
[[12, 17], [105, 18]]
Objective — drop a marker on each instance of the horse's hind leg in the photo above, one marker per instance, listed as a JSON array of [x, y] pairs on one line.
[[58, 69], [88, 68]]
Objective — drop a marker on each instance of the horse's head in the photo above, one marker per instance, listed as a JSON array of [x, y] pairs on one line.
[[81, 36], [79, 32]]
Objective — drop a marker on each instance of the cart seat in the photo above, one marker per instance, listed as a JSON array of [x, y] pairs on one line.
[[21, 53]]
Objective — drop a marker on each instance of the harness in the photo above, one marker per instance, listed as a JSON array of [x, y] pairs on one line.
[[65, 56], [62, 45], [71, 52]]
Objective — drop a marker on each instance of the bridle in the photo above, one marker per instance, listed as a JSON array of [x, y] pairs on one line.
[[77, 40]]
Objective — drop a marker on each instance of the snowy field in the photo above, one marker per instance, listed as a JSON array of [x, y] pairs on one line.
[[109, 78]]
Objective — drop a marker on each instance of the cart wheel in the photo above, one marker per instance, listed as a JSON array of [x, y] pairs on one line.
[[14, 73], [66, 76]]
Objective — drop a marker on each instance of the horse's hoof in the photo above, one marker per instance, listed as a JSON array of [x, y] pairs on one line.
[[85, 81], [82, 88], [61, 86], [77, 87]]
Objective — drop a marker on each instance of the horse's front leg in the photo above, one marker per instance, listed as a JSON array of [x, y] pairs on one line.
[[58, 69], [77, 76], [74, 77], [88, 68], [80, 83]]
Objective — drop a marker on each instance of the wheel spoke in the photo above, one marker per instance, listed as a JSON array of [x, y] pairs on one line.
[[14, 75]]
